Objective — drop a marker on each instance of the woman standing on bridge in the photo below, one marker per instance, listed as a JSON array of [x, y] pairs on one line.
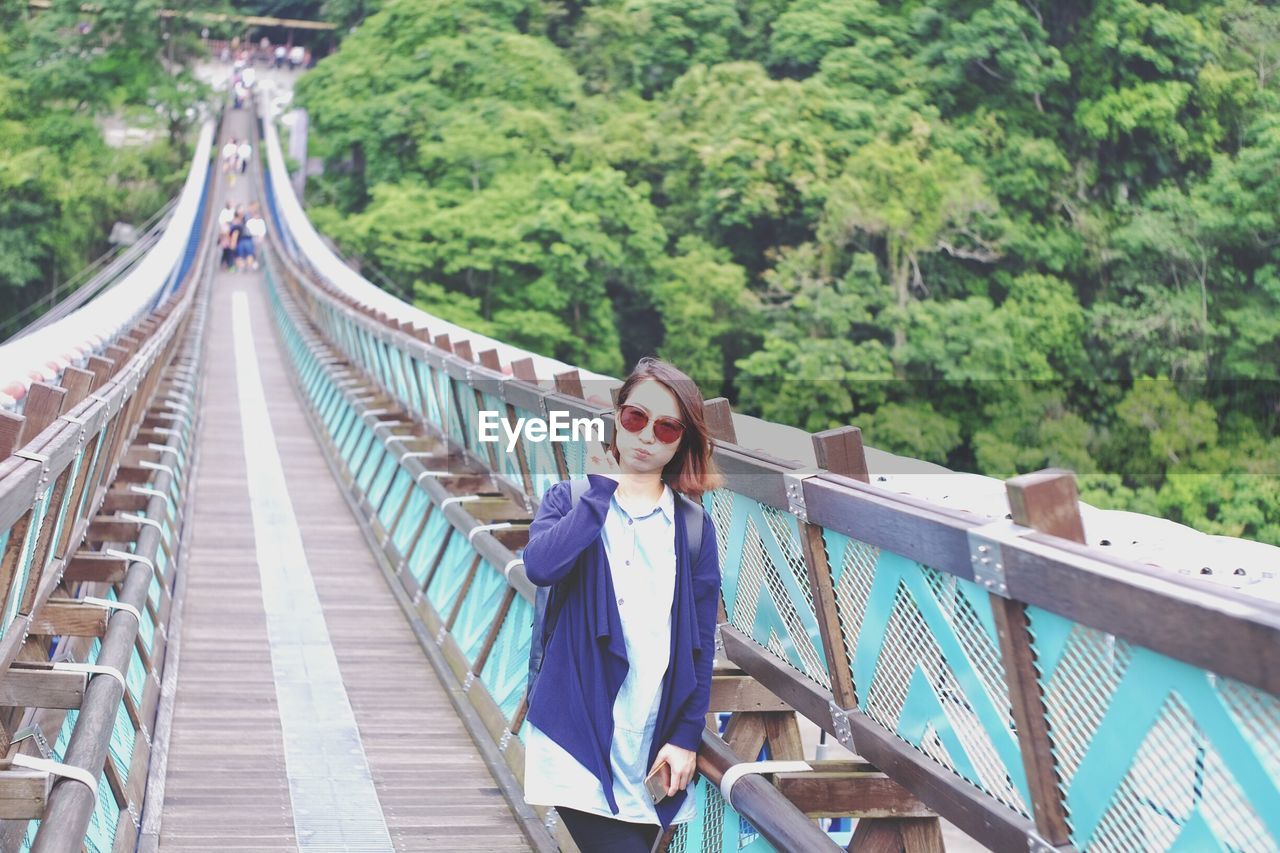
[[625, 681]]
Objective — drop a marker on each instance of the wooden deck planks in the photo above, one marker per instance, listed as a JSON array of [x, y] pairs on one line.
[[434, 788], [227, 784]]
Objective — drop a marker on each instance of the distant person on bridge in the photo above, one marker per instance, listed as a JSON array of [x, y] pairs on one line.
[[280, 52], [229, 155], [603, 716], [255, 228], [235, 236], [243, 153]]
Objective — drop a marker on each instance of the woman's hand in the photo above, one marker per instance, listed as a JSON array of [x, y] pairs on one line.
[[601, 461], [682, 762]]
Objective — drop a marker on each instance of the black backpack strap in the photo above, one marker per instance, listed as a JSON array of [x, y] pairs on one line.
[[693, 519]]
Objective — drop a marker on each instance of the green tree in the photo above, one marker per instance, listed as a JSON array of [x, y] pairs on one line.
[[999, 46], [917, 199]]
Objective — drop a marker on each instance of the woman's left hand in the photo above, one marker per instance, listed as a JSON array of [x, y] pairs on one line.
[[682, 762]]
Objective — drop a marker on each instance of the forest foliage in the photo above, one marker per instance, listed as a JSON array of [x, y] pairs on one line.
[[62, 71], [995, 234]]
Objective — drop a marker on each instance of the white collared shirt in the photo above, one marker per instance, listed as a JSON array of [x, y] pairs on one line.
[[642, 560]]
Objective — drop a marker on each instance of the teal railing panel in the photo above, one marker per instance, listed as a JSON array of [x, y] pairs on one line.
[[1153, 753]]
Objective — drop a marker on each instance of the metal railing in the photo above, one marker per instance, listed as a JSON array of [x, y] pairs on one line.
[[93, 480]]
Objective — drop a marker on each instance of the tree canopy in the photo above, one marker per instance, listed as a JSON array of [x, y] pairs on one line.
[[997, 235], [62, 71]]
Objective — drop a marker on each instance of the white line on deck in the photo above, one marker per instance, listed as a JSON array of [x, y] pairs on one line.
[[335, 805]]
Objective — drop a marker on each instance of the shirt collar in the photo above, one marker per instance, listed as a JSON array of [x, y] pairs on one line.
[[666, 503]]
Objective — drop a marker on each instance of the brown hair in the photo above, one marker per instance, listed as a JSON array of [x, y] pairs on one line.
[[691, 471]]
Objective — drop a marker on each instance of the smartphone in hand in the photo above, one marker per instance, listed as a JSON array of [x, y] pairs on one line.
[[656, 782]]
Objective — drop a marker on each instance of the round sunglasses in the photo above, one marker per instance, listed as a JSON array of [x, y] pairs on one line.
[[633, 419]]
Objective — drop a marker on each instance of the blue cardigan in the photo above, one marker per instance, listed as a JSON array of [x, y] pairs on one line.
[[586, 661]]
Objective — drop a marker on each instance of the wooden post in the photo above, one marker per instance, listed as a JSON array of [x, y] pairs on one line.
[[839, 451], [569, 383], [44, 404], [78, 384], [719, 418], [489, 358], [101, 368], [119, 357], [462, 349], [522, 369], [12, 428], [1046, 501]]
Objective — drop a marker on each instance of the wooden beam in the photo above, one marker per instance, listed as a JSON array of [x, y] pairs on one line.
[[522, 369], [23, 793], [719, 417], [840, 451], [108, 529], [783, 734], [12, 428], [95, 567], [897, 835], [118, 355], [44, 404], [101, 368], [739, 692], [41, 687], [70, 619], [833, 792], [78, 384], [569, 383], [745, 734], [1047, 501]]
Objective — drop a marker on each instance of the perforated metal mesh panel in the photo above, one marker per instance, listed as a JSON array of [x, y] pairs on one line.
[[428, 545], [25, 557], [410, 519], [122, 738], [507, 669], [1153, 753], [382, 480], [447, 581], [575, 457], [391, 501], [542, 463], [476, 614], [508, 462], [766, 586], [925, 662], [716, 827], [101, 835], [428, 393]]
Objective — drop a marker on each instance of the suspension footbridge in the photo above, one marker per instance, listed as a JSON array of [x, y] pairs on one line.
[[262, 590]]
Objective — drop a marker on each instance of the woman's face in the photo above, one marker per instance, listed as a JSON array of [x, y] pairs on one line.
[[640, 452]]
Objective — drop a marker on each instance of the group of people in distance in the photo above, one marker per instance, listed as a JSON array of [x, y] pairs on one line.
[[235, 158], [238, 231], [243, 55]]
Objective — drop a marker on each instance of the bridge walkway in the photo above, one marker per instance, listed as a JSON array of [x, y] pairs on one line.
[[261, 727]]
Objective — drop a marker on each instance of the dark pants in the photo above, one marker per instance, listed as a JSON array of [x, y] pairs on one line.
[[595, 833]]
